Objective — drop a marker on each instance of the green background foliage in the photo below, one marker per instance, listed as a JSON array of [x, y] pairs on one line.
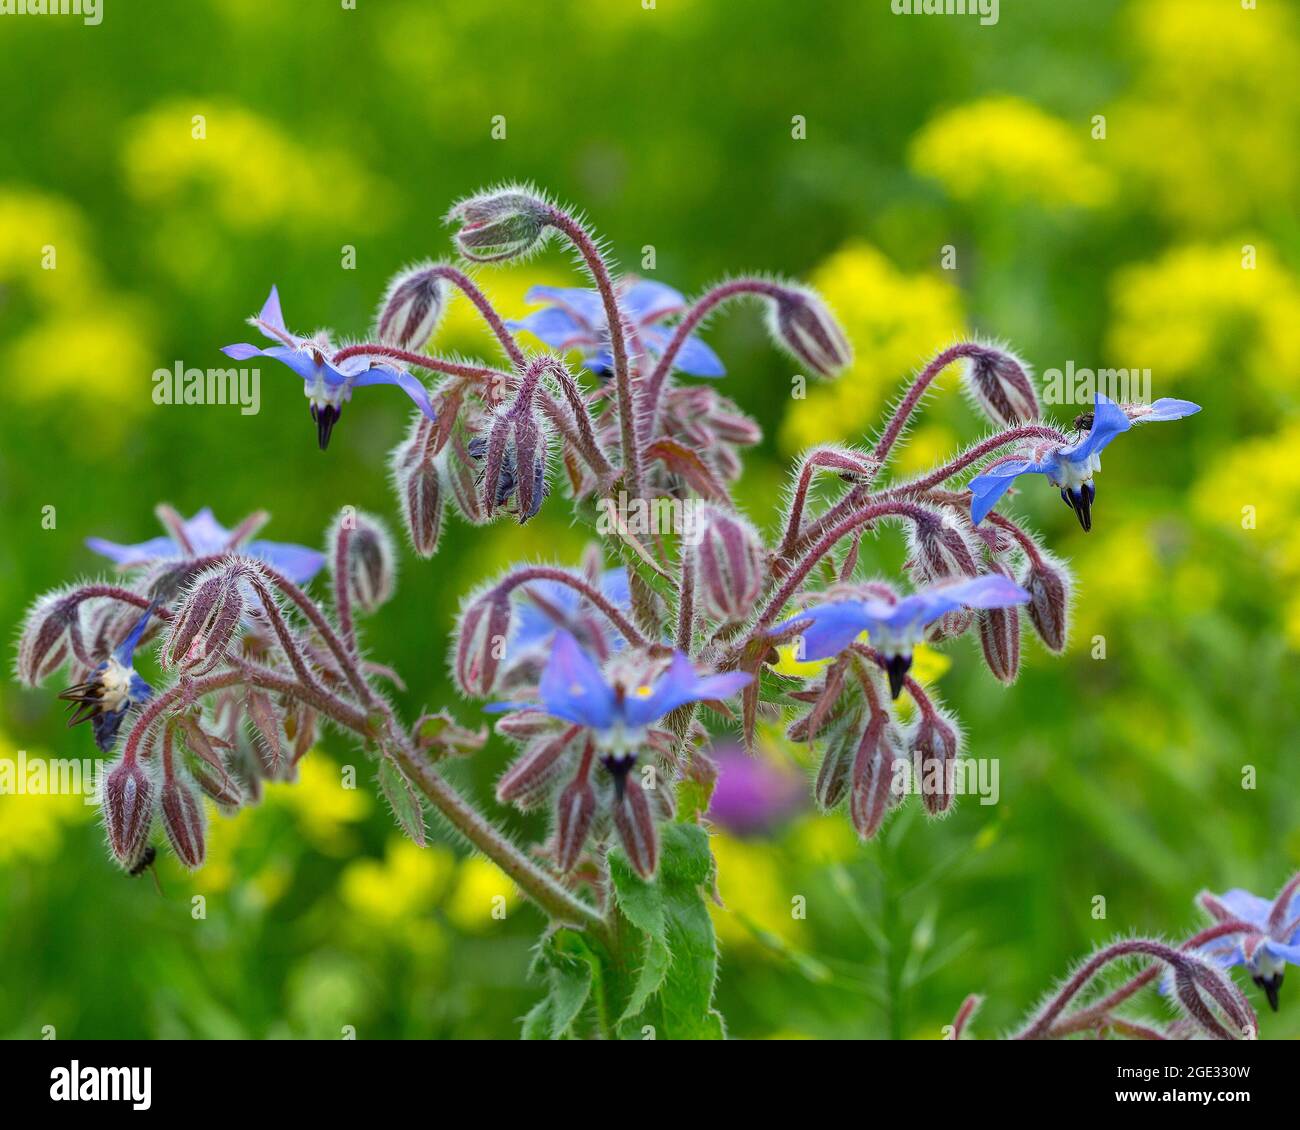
[[329, 129]]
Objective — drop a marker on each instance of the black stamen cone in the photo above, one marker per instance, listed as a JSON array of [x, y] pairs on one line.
[[897, 666], [1271, 986], [325, 419], [1081, 504], [619, 768]]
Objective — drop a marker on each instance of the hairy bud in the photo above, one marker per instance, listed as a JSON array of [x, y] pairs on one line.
[[128, 810], [206, 621], [802, 323], [412, 307], [44, 644], [1000, 640], [833, 773], [419, 488], [367, 551], [1001, 385], [481, 642], [873, 776], [1048, 583], [636, 828], [730, 563], [265, 727], [574, 811], [514, 458], [505, 224], [530, 778], [936, 742], [183, 820]]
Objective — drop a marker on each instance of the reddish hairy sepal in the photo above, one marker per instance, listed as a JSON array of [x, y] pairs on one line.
[[872, 791], [1047, 580], [265, 727], [368, 558], [128, 810], [481, 637], [842, 742], [418, 483], [183, 819], [802, 324], [534, 773], [1001, 384], [731, 564], [43, 646], [574, 810], [936, 744], [206, 620], [635, 825], [412, 307]]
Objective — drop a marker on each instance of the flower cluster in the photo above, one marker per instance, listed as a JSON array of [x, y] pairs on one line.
[[610, 676]]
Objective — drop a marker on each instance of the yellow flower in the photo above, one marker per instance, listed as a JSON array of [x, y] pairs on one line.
[[895, 321], [1197, 307], [1118, 570], [31, 824], [43, 243], [483, 895], [321, 804], [753, 890], [1210, 126], [409, 882], [1009, 149]]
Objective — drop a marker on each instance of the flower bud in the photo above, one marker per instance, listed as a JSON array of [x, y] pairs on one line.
[[636, 828], [574, 811], [368, 552], [44, 643], [1000, 639], [481, 642], [525, 724], [730, 562], [530, 778], [1001, 385], [461, 470], [265, 728], [128, 810], [412, 306], [802, 323], [873, 777], [206, 621], [936, 741], [1047, 581], [224, 790], [505, 224], [183, 820], [419, 490], [514, 458], [833, 773]]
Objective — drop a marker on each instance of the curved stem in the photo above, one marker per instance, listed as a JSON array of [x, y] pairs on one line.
[[586, 247], [898, 421], [421, 361], [590, 592], [467, 287]]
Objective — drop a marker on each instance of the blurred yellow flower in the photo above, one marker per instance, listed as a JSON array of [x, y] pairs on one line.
[[1118, 570], [927, 663], [43, 244], [252, 174], [321, 804], [753, 888], [31, 824], [1211, 122], [1198, 306], [896, 322], [1008, 149], [410, 881], [483, 895]]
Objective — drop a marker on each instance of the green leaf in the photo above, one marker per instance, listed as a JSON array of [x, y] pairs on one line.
[[571, 969], [537, 1024], [402, 799], [671, 910]]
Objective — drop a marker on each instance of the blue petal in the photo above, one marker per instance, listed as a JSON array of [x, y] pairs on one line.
[[552, 325], [586, 306], [124, 651], [572, 687], [409, 384], [296, 562], [676, 687], [205, 534], [834, 626], [1108, 421], [1281, 951], [1248, 907], [300, 362], [1168, 409], [270, 313], [134, 554], [648, 301], [694, 357], [987, 488]]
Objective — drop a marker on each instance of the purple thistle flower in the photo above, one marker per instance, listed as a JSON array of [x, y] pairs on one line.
[[112, 689], [896, 627], [1071, 468], [328, 384], [204, 536], [575, 319], [574, 690], [1270, 939]]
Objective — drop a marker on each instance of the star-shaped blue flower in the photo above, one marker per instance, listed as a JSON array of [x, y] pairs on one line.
[[1071, 468], [327, 383], [895, 627], [619, 713], [1271, 940], [112, 689], [575, 319], [204, 536]]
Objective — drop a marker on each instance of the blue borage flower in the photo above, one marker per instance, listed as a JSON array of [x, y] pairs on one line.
[[204, 536], [551, 607], [896, 625], [1272, 940], [327, 383], [575, 319], [1071, 468], [112, 689], [618, 712]]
